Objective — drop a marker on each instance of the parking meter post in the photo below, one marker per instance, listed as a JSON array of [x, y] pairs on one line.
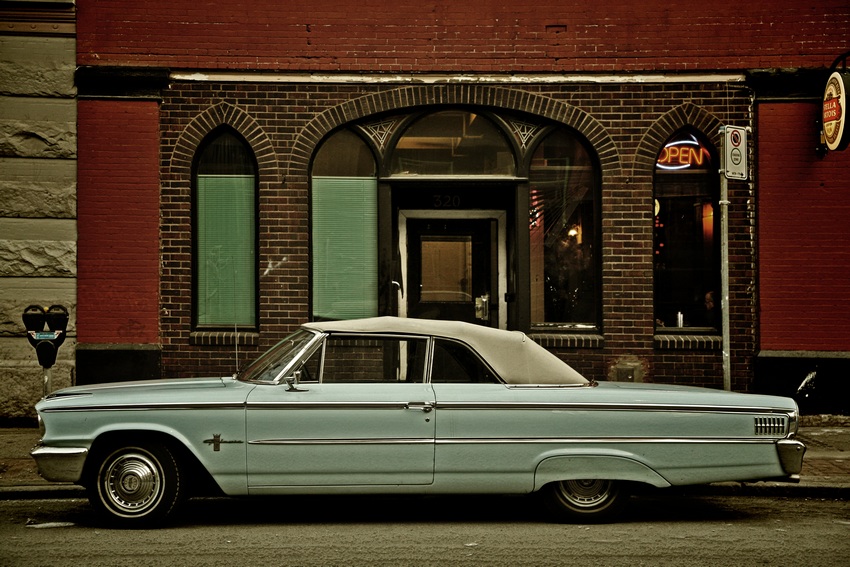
[[34, 318], [46, 382], [46, 343]]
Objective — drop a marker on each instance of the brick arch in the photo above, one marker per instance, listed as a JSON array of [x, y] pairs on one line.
[[218, 115], [688, 114], [435, 95]]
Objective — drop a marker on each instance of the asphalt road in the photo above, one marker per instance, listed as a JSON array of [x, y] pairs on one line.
[[658, 529]]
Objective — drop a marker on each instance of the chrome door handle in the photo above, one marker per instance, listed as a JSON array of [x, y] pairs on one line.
[[421, 406]]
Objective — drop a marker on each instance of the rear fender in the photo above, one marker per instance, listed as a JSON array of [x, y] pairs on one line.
[[608, 467]]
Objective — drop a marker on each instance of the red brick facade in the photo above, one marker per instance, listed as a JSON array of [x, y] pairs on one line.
[[478, 36], [118, 222], [804, 257], [624, 76]]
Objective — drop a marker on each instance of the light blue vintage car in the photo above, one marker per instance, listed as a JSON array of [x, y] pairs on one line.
[[389, 405]]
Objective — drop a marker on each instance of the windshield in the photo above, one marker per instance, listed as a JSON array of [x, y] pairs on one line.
[[278, 359]]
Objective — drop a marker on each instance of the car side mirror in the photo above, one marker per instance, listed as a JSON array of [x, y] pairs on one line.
[[292, 382]]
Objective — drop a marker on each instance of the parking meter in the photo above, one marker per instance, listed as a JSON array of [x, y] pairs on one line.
[[46, 342]]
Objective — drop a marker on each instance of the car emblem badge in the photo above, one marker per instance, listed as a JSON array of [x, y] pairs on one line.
[[216, 441]]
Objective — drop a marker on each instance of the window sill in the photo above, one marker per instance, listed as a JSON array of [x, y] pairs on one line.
[[567, 340], [686, 341], [224, 338]]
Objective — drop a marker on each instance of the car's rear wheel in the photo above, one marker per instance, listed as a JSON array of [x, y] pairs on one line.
[[585, 500], [136, 485]]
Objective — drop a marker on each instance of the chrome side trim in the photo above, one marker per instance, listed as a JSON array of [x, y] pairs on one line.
[[515, 440], [288, 405], [605, 406], [331, 405], [357, 441], [545, 406], [148, 407], [607, 440]]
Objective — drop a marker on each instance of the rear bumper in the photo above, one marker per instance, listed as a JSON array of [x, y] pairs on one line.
[[791, 454], [60, 464]]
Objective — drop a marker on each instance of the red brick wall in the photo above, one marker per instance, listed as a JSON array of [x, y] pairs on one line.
[[804, 234], [470, 35], [118, 221]]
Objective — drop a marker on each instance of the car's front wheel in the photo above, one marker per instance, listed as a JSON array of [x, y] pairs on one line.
[[137, 485], [587, 500]]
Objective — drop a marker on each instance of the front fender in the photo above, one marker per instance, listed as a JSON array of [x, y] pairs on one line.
[[225, 464], [608, 467]]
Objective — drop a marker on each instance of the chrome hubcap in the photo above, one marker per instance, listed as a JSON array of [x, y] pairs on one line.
[[132, 483], [585, 493]]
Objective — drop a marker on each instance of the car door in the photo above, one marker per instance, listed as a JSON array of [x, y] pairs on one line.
[[361, 414], [489, 435]]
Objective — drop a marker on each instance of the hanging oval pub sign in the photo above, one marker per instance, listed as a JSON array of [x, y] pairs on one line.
[[835, 111]]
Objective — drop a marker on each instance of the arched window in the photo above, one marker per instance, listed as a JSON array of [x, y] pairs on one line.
[[344, 229], [225, 233], [453, 142], [686, 235], [563, 185]]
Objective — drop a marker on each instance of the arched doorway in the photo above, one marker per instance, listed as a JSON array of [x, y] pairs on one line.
[[468, 213]]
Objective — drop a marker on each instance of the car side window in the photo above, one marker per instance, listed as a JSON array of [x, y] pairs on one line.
[[312, 367], [456, 363], [365, 359]]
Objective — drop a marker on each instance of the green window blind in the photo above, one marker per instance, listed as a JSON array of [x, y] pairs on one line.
[[226, 239], [345, 247]]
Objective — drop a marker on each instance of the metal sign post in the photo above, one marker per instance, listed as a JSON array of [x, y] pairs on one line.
[[733, 165]]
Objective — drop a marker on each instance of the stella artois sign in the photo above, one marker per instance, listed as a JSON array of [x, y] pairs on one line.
[[835, 112]]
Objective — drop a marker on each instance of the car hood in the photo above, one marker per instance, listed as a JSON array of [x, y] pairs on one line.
[[170, 391]]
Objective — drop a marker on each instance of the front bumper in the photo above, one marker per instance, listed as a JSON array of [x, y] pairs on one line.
[[60, 464]]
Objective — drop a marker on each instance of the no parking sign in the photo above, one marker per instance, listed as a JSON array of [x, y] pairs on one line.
[[735, 152]]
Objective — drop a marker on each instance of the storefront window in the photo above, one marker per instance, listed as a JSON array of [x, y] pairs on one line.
[[562, 229], [344, 229], [686, 229], [225, 233], [456, 154], [453, 143]]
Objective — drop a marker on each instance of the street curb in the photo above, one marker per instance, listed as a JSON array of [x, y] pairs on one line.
[[50, 491], [824, 420], [774, 490]]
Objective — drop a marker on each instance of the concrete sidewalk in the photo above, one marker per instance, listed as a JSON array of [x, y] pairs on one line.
[[826, 466]]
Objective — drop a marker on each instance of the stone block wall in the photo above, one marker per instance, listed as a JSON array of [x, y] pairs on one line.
[[38, 228]]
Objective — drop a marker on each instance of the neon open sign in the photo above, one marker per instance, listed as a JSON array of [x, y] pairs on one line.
[[684, 153]]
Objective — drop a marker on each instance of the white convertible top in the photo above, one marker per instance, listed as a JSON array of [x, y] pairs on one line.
[[514, 356]]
